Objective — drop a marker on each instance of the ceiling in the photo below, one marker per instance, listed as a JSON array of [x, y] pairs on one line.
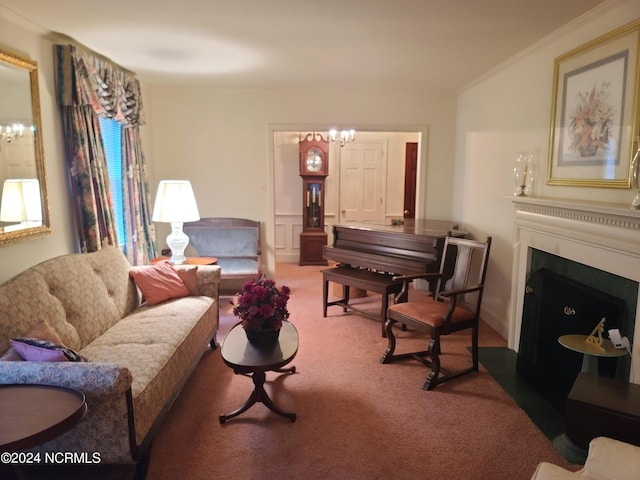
[[365, 44]]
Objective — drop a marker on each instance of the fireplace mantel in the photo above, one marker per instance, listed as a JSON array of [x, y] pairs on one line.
[[606, 213], [603, 236]]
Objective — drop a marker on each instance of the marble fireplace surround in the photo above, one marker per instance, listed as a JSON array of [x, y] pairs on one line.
[[602, 236]]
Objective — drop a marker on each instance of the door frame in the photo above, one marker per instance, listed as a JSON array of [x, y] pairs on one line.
[[269, 239]]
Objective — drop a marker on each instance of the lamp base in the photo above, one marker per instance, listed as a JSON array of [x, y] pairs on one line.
[[177, 241]]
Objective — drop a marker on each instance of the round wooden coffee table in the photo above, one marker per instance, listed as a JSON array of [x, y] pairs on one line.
[[244, 358], [34, 414]]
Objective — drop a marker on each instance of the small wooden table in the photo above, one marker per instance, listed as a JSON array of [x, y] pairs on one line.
[[34, 414], [244, 358], [564, 443], [190, 260], [601, 406]]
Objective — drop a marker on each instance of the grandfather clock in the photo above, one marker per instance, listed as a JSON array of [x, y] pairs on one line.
[[314, 167]]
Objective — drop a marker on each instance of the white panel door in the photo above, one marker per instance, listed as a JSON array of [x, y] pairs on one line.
[[362, 182], [19, 157]]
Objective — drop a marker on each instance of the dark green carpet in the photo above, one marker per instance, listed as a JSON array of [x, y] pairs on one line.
[[501, 364]]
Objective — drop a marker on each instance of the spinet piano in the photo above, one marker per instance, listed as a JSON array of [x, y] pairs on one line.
[[369, 255]]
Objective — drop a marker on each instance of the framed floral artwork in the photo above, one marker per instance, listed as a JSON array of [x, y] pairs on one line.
[[594, 113]]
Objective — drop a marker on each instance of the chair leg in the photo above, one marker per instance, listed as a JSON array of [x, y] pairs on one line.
[[383, 312], [325, 297], [434, 352], [388, 354], [474, 347]]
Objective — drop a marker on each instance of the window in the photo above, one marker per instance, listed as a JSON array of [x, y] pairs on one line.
[[112, 141]]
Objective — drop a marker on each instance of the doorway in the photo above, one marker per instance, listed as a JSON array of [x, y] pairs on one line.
[[410, 179], [387, 146]]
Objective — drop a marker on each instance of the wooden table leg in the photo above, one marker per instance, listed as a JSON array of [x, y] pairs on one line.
[[259, 394]]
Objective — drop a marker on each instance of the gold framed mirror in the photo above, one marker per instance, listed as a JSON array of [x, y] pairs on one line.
[[24, 206]]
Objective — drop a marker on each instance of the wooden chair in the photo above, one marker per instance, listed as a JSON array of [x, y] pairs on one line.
[[454, 306]]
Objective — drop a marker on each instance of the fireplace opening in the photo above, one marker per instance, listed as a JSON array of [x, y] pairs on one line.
[[555, 305]]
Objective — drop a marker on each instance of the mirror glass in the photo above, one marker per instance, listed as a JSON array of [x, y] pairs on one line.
[[24, 210]]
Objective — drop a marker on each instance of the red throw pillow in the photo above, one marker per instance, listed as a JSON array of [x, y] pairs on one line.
[[159, 282], [189, 276]]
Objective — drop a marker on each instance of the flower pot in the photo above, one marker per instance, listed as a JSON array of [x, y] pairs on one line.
[[263, 339]]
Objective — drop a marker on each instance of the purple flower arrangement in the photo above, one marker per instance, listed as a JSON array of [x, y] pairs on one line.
[[261, 305]]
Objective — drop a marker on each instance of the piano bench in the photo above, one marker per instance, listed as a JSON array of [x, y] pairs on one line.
[[375, 282]]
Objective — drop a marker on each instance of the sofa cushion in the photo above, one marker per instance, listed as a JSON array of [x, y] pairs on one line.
[[159, 282], [158, 345], [238, 267], [66, 291], [224, 241]]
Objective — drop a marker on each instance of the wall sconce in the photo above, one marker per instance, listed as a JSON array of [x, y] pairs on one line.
[[21, 202], [175, 204], [346, 136]]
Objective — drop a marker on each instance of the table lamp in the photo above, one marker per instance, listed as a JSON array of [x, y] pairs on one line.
[[21, 203], [176, 204]]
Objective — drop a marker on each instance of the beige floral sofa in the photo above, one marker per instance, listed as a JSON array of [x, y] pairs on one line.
[[139, 356]]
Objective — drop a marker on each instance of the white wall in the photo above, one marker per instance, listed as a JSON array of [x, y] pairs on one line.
[[17, 257], [507, 111], [222, 141]]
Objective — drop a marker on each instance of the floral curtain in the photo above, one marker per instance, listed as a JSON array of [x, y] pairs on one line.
[[88, 87], [140, 230], [89, 179]]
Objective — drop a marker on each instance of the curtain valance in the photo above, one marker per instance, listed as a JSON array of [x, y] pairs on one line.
[[84, 79]]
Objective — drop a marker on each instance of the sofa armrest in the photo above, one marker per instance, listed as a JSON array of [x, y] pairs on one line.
[[91, 378], [609, 458], [209, 280], [549, 471], [108, 426]]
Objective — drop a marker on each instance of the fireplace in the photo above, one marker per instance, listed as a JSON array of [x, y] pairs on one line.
[[601, 237], [557, 305]]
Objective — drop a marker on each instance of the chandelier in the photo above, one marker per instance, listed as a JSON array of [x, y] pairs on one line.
[[346, 136], [11, 132]]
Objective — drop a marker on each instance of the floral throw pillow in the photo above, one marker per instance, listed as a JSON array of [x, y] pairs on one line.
[[41, 331], [34, 350]]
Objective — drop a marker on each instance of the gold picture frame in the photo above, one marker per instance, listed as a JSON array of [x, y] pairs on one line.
[[594, 111]]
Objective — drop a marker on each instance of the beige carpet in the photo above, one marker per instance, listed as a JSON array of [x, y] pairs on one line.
[[357, 418]]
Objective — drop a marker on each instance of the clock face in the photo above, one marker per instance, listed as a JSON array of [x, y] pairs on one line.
[[313, 162]]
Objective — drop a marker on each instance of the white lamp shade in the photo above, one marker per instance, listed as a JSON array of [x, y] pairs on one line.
[[175, 202], [21, 201]]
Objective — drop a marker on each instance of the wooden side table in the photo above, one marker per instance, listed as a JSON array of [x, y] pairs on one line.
[[573, 443], [34, 414], [190, 260], [601, 406]]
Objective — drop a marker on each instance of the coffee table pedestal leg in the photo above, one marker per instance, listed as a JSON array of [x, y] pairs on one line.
[[260, 395]]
